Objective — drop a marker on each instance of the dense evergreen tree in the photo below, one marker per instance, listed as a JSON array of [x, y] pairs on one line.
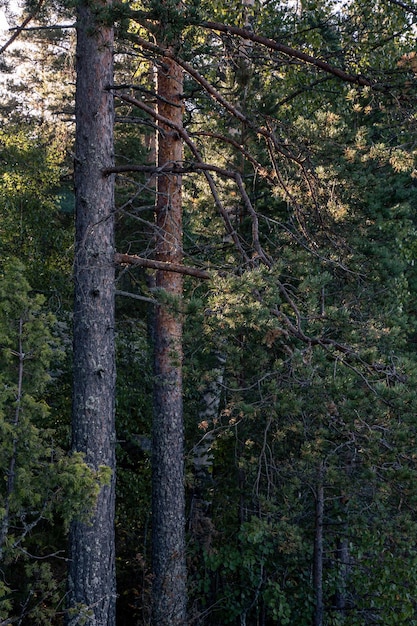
[[43, 487]]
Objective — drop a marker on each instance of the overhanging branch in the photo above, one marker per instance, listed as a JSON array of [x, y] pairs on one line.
[[267, 43], [291, 52]]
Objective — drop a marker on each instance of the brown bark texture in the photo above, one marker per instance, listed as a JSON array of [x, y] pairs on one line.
[[91, 584], [168, 508]]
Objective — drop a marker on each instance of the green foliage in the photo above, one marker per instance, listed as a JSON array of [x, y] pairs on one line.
[[41, 483], [319, 365], [32, 162], [318, 348], [82, 613]]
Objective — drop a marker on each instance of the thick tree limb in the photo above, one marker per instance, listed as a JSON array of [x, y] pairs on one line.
[[132, 259], [51, 27]]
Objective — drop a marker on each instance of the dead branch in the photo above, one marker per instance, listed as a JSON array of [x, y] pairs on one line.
[[135, 296], [46, 27], [132, 259], [22, 26], [403, 5], [169, 168], [255, 222]]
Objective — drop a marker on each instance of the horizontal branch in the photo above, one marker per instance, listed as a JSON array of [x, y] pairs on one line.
[[172, 168], [132, 259], [22, 26], [135, 296], [52, 27]]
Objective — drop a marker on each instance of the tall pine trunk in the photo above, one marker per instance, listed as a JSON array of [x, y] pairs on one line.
[[169, 596], [91, 588]]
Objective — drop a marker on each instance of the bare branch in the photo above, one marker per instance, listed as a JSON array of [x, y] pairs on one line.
[[172, 168], [132, 259], [22, 26], [260, 169], [255, 222], [51, 27], [135, 296], [404, 6]]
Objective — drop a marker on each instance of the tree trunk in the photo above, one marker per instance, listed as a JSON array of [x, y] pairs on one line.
[[343, 562], [200, 524], [91, 589], [318, 550], [169, 596]]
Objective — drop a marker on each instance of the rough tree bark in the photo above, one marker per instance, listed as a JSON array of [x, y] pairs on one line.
[[169, 596], [318, 550], [200, 523], [91, 586], [343, 562]]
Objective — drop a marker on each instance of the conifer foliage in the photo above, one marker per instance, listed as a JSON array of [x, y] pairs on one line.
[[42, 485], [261, 245]]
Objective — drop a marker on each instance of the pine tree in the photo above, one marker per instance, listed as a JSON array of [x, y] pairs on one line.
[[91, 593], [294, 188], [169, 595]]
